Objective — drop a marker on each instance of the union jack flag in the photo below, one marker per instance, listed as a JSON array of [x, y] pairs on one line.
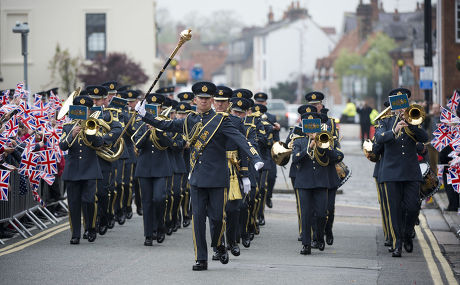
[[454, 179], [442, 137], [448, 117], [454, 101], [11, 127], [37, 98], [29, 161], [440, 172], [19, 89], [48, 161], [40, 109], [48, 178], [30, 122], [4, 100], [4, 183]]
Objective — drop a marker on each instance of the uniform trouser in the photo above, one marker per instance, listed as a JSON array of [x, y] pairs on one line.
[[119, 186], [168, 192], [128, 184], [262, 192], [312, 201], [271, 179], [208, 202], [245, 214], [175, 198], [297, 200], [330, 209], [153, 203], [103, 197], [403, 197], [185, 202], [233, 208], [383, 202], [136, 189], [81, 195], [253, 203]]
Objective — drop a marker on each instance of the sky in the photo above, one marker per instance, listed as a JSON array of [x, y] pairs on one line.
[[327, 13]]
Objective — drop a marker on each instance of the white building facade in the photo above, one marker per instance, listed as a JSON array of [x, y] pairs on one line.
[[86, 28], [284, 50]]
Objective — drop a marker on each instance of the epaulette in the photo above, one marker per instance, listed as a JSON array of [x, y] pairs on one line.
[[113, 109], [266, 123], [224, 114]]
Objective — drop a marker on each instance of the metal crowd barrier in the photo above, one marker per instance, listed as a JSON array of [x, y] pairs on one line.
[[19, 206]]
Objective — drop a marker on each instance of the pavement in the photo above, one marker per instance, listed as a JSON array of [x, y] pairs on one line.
[[357, 256]]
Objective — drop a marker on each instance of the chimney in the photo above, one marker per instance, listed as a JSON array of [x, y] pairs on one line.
[[381, 7], [271, 17], [396, 16], [418, 6], [364, 15], [375, 10]]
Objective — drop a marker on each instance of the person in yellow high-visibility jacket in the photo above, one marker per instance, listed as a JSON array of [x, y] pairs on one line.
[[349, 113], [373, 115]]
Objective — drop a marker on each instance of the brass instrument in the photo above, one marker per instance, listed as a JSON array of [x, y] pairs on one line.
[[164, 115], [281, 153], [324, 140], [367, 149], [414, 115], [65, 106], [384, 114]]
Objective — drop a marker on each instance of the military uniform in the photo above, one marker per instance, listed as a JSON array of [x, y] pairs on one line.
[[312, 180], [81, 173], [153, 168], [208, 160], [401, 176]]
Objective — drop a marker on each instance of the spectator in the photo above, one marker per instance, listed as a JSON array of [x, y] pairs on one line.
[[348, 115], [365, 120]]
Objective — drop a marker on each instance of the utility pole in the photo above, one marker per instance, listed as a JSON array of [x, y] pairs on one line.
[[428, 50]]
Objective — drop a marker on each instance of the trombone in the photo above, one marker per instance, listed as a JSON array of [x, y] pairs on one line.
[[414, 115]]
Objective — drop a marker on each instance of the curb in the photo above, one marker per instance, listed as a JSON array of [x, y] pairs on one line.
[[451, 218]]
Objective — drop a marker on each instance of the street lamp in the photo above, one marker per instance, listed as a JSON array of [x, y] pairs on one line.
[[23, 29]]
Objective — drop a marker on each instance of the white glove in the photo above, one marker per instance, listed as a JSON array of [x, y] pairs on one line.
[[140, 108], [246, 185], [258, 165]]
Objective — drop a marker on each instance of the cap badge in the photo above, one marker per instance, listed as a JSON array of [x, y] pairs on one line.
[[182, 107], [239, 95], [221, 92], [313, 96], [204, 88], [96, 91], [310, 117], [399, 93], [130, 94], [257, 108], [154, 98], [239, 103], [82, 101], [308, 110], [185, 96], [111, 86]]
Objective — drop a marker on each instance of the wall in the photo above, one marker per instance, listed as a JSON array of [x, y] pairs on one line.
[[129, 29]]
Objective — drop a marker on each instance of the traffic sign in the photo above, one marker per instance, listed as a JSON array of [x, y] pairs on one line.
[[197, 73], [426, 77]]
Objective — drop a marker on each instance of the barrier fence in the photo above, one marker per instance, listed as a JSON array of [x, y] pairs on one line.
[[19, 206]]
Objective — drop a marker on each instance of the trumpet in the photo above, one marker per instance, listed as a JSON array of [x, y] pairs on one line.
[[414, 115], [324, 140]]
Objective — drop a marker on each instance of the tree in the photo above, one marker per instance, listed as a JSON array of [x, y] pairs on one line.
[[116, 66], [64, 70], [287, 90]]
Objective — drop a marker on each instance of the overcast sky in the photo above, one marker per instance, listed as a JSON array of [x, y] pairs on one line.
[[254, 12]]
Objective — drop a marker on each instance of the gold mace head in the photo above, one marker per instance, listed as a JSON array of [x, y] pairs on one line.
[[186, 35]]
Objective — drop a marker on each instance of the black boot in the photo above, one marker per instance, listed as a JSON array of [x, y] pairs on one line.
[[306, 249], [148, 241], [223, 254], [321, 223], [129, 212], [92, 235], [200, 265], [328, 229]]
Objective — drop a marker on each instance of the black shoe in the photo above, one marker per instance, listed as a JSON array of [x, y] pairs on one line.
[[235, 249], [314, 244], [306, 249], [299, 238], [321, 245], [169, 231], [111, 223], [251, 236], [329, 238], [223, 254], [121, 219], [246, 241], [139, 211], [186, 222], [412, 234], [391, 249], [161, 237], [200, 265], [269, 203], [176, 227], [262, 221], [216, 256], [148, 241], [408, 245], [92, 235], [388, 243], [396, 253], [129, 213], [74, 241], [85, 235], [102, 229]]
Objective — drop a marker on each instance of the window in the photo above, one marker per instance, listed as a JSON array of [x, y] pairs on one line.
[[457, 21], [95, 36]]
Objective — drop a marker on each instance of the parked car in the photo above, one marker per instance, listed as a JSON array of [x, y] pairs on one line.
[[278, 107], [292, 115]]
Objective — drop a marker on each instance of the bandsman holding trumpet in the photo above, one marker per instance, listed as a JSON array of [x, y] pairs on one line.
[[400, 171], [81, 173], [313, 153]]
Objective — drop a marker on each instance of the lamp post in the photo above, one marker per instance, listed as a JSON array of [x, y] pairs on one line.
[[23, 29]]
